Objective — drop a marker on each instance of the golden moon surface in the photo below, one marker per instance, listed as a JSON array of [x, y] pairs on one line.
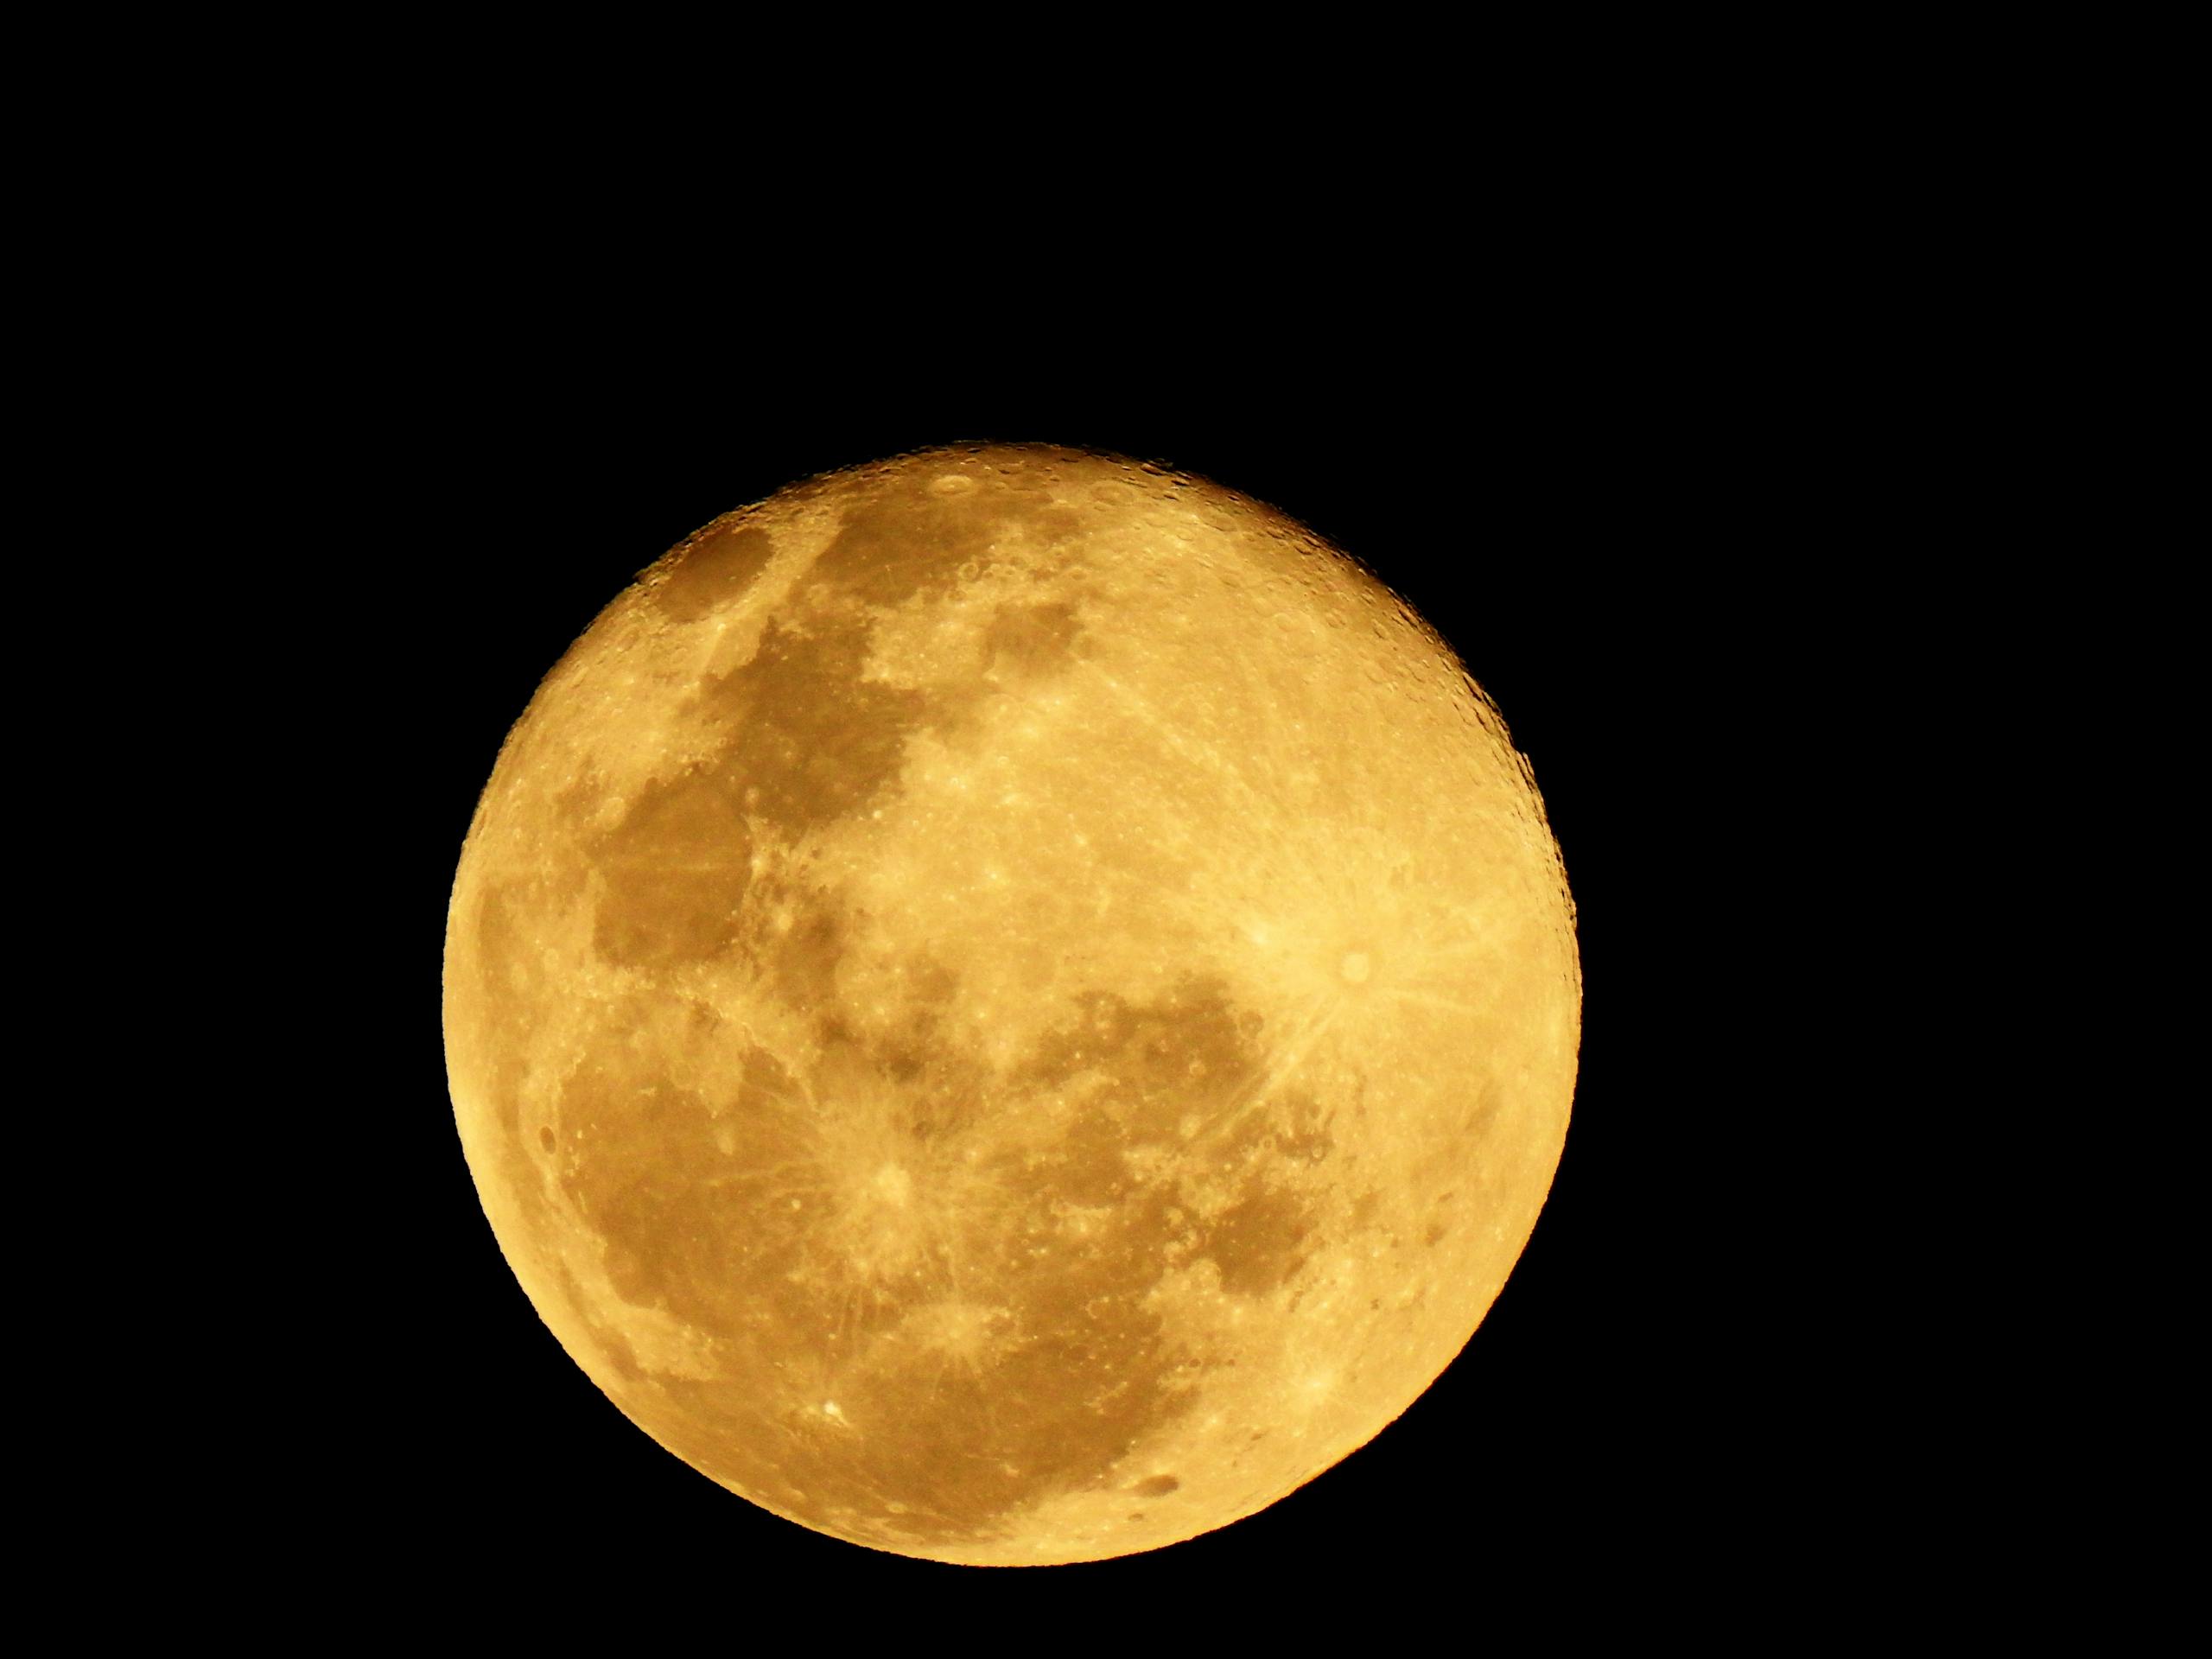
[[1011, 1006]]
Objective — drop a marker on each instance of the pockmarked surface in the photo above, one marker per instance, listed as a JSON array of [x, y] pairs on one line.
[[1010, 1007]]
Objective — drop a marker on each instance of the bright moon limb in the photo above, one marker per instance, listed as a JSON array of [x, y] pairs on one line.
[[1010, 1007]]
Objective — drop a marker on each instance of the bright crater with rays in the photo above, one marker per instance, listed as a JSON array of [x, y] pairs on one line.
[[1010, 1007]]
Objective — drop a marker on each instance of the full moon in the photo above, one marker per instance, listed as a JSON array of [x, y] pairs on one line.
[[1011, 1006]]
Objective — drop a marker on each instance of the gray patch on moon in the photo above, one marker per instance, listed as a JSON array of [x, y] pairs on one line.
[[813, 739], [1257, 1243], [911, 537], [1028, 642], [1166, 1073], [1153, 1064], [642, 1149], [802, 955], [712, 571], [674, 871], [508, 987]]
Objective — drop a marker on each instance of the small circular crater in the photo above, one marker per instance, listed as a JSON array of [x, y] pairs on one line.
[[1357, 967], [952, 484]]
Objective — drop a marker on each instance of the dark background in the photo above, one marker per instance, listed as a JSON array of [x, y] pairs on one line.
[[1564, 514]]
